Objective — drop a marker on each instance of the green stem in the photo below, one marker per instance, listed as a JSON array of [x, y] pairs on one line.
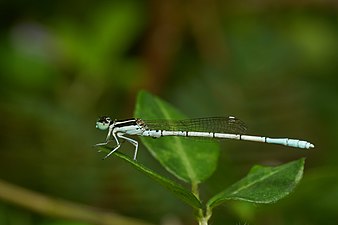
[[203, 216], [194, 190], [203, 221]]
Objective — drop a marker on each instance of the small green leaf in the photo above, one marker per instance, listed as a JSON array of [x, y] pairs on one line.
[[175, 188], [189, 160], [263, 184]]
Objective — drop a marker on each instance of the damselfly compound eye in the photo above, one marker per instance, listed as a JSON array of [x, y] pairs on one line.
[[103, 123]]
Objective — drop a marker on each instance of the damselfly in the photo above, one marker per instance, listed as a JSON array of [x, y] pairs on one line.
[[211, 127]]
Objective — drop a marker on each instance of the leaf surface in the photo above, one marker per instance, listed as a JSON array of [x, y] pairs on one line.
[[188, 159], [263, 184], [172, 186]]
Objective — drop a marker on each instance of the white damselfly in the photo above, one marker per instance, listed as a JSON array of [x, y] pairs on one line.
[[210, 127]]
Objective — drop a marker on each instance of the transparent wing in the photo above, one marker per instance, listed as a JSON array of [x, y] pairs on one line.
[[228, 124]]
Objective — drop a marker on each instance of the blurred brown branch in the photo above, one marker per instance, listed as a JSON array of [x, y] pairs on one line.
[[204, 20], [162, 41], [60, 208]]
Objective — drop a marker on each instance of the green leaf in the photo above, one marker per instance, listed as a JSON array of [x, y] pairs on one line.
[[263, 184], [188, 159], [175, 188]]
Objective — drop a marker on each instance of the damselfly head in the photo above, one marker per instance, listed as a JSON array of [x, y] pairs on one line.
[[103, 123]]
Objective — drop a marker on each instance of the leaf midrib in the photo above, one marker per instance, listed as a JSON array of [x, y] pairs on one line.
[[256, 181], [247, 185], [181, 152]]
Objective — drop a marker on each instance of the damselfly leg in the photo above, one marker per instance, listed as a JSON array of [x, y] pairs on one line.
[[133, 142], [120, 135]]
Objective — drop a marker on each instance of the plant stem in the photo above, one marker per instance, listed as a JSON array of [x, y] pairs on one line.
[[203, 216], [194, 190], [203, 221]]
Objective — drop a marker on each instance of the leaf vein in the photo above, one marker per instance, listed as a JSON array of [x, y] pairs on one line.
[[255, 181], [183, 156]]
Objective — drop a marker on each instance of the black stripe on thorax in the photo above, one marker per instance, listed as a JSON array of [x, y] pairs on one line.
[[124, 123]]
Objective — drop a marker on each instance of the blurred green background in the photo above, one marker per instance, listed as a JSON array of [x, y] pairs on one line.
[[272, 64]]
